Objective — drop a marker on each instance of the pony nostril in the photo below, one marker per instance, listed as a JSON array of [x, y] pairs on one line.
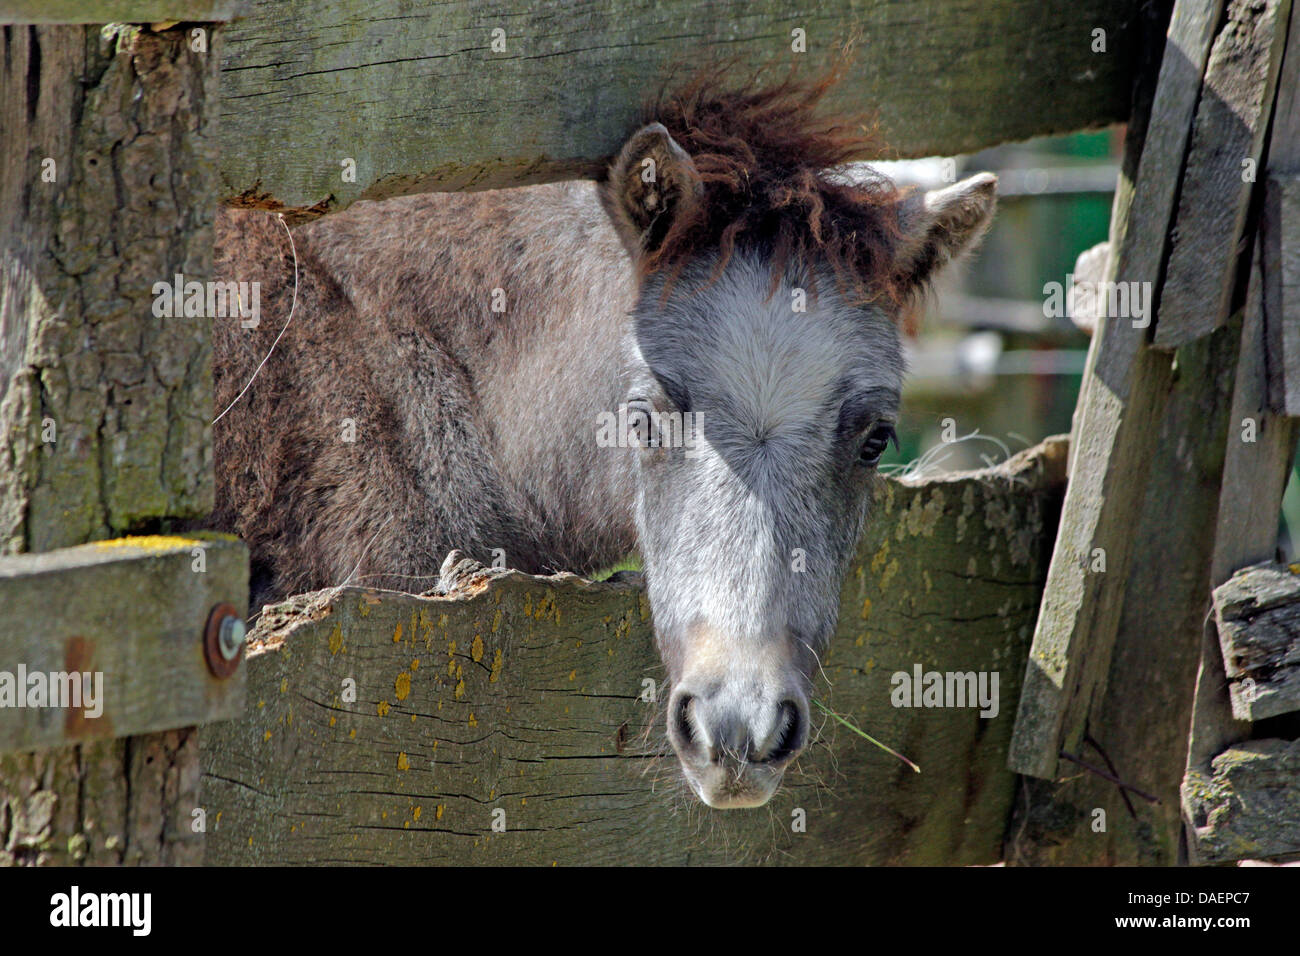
[[789, 737], [683, 727]]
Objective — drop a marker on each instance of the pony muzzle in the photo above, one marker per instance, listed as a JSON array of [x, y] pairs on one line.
[[734, 746]]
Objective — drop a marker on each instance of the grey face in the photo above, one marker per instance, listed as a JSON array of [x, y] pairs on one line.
[[746, 533]]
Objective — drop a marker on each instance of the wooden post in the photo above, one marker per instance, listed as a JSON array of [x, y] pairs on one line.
[[108, 185], [1163, 595], [1260, 450], [1115, 431]]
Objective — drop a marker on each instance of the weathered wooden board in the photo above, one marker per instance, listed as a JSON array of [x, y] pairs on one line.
[[130, 611], [1257, 611], [516, 701], [104, 407], [418, 97], [1281, 259], [1221, 170], [1257, 463], [1116, 430], [1254, 477], [117, 11], [1139, 720], [1248, 807], [1138, 727]]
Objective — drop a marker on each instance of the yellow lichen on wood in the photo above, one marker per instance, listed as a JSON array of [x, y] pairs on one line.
[[149, 542], [402, 685]]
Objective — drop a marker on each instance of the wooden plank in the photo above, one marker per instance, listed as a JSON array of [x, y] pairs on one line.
[[1255, 475], [117, 11], [420, 100], [1281, 250], [1254, 478], [1116, 427], [1249, 805], [130, 613], [1257, 611], [1281, 219], [1084, 819], [1221, 170], [104, 406], [1152, 673], [521, 694]]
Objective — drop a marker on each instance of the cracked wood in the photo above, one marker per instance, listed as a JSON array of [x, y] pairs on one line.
[[521, 694], [420, 100]]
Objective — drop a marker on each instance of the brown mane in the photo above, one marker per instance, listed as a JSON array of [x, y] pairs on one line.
[[763, 154]]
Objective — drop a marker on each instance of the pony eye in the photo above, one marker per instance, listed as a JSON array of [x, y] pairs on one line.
[[640, 423], [876, 442]]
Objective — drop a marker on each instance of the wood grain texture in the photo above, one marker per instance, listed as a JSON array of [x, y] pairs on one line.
[[128, 801], [1255, 474], [1248, 807], [1257, 611], [521, 694], [416, 95], [1116, 430], [104, 408], [132, 609], [117, 11], [1280, 249], [1222, 167], [1140, 718]]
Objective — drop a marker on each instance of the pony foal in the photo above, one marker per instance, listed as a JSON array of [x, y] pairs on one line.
[[454, 359]]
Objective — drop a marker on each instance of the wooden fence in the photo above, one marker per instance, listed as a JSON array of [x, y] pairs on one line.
[[503, 723], [402, 728]]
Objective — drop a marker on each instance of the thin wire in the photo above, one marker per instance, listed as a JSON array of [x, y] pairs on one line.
[[293, 305]]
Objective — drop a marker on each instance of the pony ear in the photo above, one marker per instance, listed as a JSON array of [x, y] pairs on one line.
[[938, 226], [650, 185]]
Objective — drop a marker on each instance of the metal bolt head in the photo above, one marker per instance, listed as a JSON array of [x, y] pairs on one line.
[[231, 637], [223, 640]]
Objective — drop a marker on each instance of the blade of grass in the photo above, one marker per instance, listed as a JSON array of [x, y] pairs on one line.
[[862, 733]]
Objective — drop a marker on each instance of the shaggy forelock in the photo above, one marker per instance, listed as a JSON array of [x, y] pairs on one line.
[[767, 159]]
